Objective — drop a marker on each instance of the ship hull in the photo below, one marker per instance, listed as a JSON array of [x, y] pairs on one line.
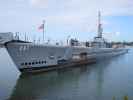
[[58, 66], [30, 57]]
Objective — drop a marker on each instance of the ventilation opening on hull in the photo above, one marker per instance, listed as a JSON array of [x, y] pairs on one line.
[[33, 63]]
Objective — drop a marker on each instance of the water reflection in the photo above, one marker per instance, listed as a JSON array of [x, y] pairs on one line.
[[81, 83]]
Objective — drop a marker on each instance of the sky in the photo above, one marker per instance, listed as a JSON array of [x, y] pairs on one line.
[[63, 18]]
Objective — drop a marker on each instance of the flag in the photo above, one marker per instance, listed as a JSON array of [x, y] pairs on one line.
[[41, 27]]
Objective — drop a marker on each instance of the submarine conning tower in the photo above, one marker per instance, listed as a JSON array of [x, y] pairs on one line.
[[99, 41]]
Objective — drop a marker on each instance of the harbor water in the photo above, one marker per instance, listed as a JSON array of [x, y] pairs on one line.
[[103, 80]]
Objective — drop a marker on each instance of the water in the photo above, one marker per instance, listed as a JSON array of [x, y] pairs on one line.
[[100, 81]]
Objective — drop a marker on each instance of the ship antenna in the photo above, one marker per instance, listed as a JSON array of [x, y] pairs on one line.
[[99, 25]]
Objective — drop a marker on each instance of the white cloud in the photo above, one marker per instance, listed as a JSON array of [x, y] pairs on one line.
[[112, 36], [76, 8], [107, 6], [81, 15], [117, 33], [39, 3]]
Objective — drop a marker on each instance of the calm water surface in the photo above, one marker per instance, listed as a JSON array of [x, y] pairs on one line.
[[100, 81]]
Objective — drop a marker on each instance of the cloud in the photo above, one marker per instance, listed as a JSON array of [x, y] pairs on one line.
[[112, 36], [39, 3], [117, 33], [84, 8], [107, 6], [81, 15]]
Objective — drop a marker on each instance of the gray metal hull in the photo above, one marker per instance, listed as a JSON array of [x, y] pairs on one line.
[[38, 57]]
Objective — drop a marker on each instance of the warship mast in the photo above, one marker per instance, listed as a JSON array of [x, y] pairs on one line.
[[99, 25]]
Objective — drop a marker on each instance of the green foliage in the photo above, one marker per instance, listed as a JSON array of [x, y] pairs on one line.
[[125, 97]]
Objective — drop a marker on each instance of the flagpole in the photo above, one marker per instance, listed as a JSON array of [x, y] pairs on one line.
[[43, 29]]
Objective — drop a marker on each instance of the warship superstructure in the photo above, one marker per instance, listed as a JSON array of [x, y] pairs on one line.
[[29, 56]]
